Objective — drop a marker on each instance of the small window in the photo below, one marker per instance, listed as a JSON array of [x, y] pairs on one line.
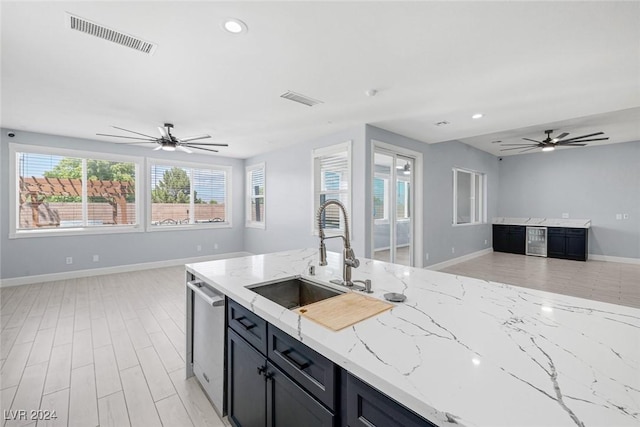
[[70, 192], [332, 181], [185, 195], [255, 196], [403, 196], [469, 197], [380, 199]]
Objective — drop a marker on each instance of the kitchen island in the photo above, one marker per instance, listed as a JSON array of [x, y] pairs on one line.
[[463, 351]]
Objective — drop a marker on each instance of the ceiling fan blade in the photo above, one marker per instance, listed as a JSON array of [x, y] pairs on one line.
[[205, 149], [193, 138], [517, 148], [137, 133], [583, 140], [505, 145], [572, 145], [559, 137], [529, 149], [185, 149], [584, 136], [127, 137], [159, 147], [205, 143], [163, 132], [532, 140]]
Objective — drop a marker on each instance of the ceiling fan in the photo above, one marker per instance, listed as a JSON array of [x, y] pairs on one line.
[[550, 144], [168, 142]]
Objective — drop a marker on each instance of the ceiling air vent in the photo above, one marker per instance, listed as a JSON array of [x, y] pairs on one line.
[[302, 99], [91, 28]]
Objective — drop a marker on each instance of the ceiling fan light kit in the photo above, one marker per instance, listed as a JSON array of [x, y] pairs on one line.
[[167, 141], [549, 144]]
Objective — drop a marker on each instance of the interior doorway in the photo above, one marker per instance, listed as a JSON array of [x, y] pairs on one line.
[[393, 236]]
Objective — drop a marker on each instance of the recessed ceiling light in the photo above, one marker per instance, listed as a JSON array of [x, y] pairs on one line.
[[477, 116], [234, 26], [548, 148]]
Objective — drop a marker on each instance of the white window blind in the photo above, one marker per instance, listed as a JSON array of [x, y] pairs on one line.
[[255, 196], [332, 181], [183, 195], [57, 192]]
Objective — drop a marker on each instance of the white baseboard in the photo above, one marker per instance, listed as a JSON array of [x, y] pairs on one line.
[[26, 280], [607, 258], [450, 262]]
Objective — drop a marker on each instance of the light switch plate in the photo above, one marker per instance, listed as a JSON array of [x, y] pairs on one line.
[[625, 216], [618, 216]]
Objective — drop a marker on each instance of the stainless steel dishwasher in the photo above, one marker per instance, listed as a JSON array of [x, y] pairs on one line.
[[209, 341]]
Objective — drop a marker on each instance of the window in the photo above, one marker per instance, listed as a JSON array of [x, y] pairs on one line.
[[332, 181], [70, 192], [469, 198], [183, 194], [403, 196], [255, 196], [380, 199]]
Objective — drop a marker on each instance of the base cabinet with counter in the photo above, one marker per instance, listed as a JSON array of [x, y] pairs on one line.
[[562, 242], [275, 380]]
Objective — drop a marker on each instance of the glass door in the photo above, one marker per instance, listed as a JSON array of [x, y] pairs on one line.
[[393, 208]]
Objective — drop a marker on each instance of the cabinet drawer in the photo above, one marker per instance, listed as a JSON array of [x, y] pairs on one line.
[[556, 231], [517, 229], [248, 325], [312, 371], [368, 407], [576, 232]]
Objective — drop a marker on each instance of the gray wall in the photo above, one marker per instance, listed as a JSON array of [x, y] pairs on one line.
[[44, 255], [289, 192], [589, 182], [439, 236]]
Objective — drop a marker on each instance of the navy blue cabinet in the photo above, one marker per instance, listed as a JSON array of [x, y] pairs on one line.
[[509, 238], [568, 243], [368, 407]]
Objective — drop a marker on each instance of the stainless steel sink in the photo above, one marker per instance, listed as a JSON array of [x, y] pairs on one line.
[[294, 293]]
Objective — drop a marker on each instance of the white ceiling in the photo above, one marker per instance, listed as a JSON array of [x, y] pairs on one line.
[[527, 66]]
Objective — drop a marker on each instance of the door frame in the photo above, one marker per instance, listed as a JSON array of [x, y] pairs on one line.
[[417, 196]]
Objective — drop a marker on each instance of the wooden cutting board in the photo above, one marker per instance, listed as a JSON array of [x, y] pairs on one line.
[[344, 310]]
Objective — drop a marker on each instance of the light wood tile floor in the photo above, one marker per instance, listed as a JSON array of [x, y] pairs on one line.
[[100, 351], [611, 282]]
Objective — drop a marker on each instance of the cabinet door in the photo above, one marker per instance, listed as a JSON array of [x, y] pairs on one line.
[[576, 244], [556, 243], [517, 239], [288, 405], [500, 238], [246, 383], [367, 407]]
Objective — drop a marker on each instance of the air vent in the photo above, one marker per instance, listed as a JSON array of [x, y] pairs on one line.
[[91, 28], [302, 99]]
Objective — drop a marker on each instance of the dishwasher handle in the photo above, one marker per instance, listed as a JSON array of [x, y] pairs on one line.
[[215, 300]]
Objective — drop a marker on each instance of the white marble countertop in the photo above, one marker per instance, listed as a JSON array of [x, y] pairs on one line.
[[465, 351], [544, 222]]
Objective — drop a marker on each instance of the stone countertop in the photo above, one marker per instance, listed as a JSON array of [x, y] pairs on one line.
[[543, 222], [461, 350]]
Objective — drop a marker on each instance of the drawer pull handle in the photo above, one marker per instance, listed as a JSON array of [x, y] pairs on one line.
[[300, 366], [261, 369], [244, 325], [268, 376]]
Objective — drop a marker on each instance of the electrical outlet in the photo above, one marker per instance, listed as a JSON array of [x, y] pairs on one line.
[[215, 246], [565, 215], [625, 216], [453, 250], [427, 256], [96, 258], [618, 216], [69, 260], [486, 241], [199, 248]]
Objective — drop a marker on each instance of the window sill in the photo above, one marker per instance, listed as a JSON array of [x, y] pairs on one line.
[[183, 227], [258, 225], [79, 231], [469, 224]]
